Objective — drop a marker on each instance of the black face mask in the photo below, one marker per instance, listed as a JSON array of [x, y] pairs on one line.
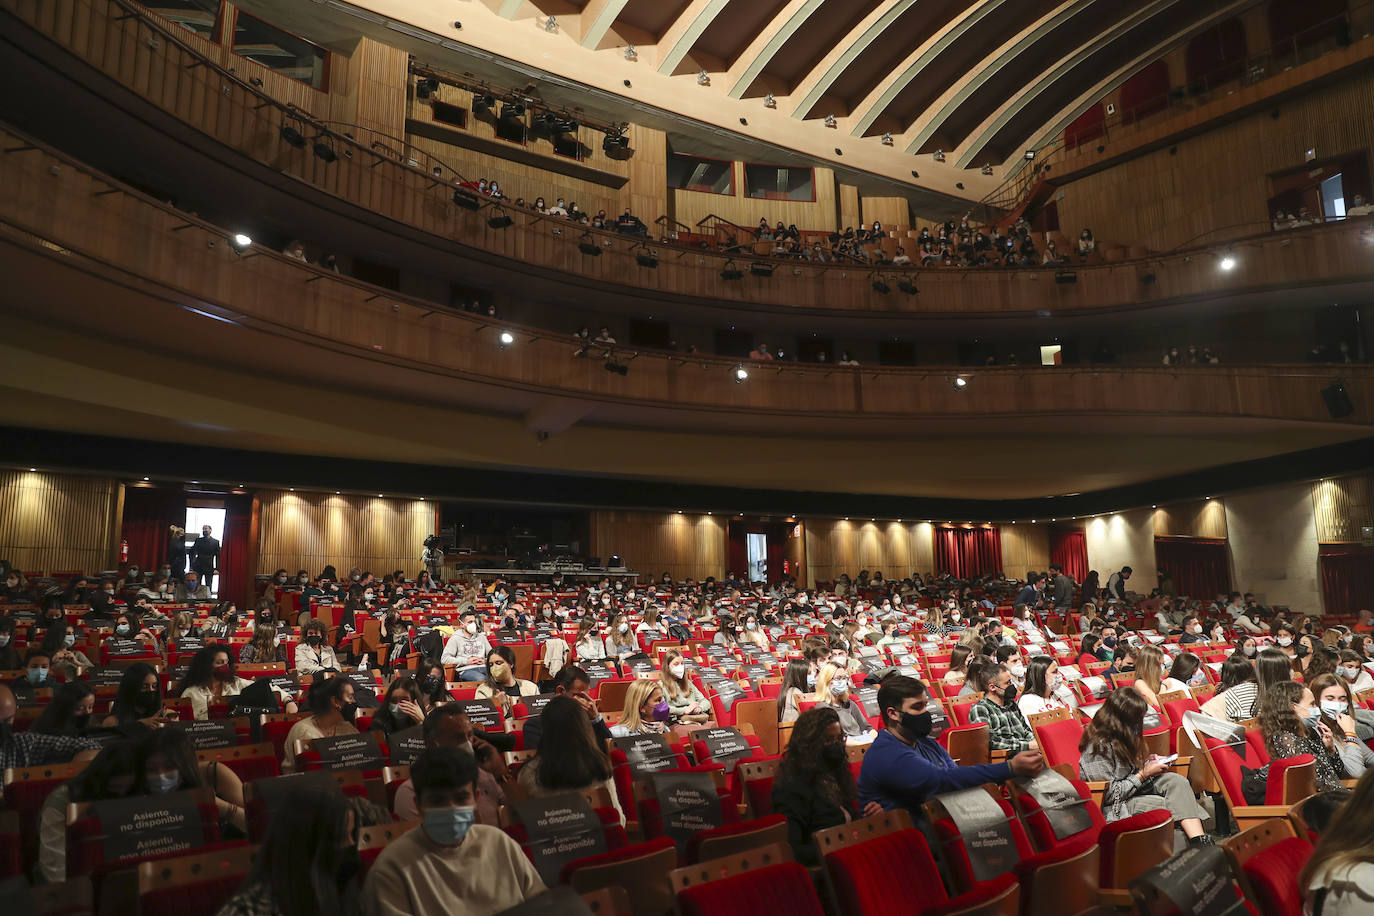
[[349, 865], [314, 639], [146, 704], [917, 725], [834, 754], [349, 710], [80, 722]]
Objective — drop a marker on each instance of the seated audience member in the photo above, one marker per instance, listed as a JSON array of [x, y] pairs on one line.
[[223, 622], [314, 655], [1285, 635], [1290, 721], [1338, 715], [588, 645], [450, 863], [138, 701], [728, 634], [1338, 879], [183, 623], [620, 641], [400, 707], [36, 666], [1352, 670], [501, 685], [10, 658], [67, 661], [68, 712], [958, 665], [1008, 730], [1087, 654], [449, 726], [572, 751], [331, 709], [905, 767], [30, 748], [1042, 681], [1113, 752], [573, 682], [265, 647], [113, 773], [308, 864], [646, 710], [168, 763], [1237, 693], [833, 689], [1272, 667], [1123, 659], [687, 703], [1149, 661], [190, 588], [1192, 631], [211, 679], [797, 684], [468, 648], [814, 787], [1185, 674], [1086, 243]]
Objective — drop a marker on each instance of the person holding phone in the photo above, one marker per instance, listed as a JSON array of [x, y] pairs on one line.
[[1113, 752]]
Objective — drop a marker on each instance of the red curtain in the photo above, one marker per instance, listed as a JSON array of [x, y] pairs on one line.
[[968, 552], [1199, 566], [234, 575], [1069, 548], [1347, 574], [148, 513]]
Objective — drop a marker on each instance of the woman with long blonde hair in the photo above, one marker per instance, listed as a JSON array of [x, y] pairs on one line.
[[685, 701], [833, 689], [1338, 879], [646, 710], [1149, 665]]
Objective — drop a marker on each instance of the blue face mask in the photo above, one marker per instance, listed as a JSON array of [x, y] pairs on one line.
[[811, 680], [1313, 717], [69, 640], [448, 826], [37, 675], [163, 783], [122, 629]]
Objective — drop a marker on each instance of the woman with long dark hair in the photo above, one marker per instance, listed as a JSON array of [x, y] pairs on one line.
[[796, 685], [400, 708], [1237, 693], [568, 745], [138, 701], [69, 712], [1113, 751], [112, 773], [1091, 587], [167, 763], [814, 788], [211, 679], [1290, 721], [1042, 681], [308, 864], [59, 643]]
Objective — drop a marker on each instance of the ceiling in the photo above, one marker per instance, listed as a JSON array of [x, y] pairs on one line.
[[980, 80]]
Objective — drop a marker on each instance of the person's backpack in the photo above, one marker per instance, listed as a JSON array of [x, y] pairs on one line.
[[429, 645], [679, 632]]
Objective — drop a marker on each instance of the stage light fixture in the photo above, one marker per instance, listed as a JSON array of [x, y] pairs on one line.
[[1227, 262], [505, 339], [323, 151], [1030, 154], [939, 155], [887, 139], [241, 240], [292, 137], [703, 78], [830, 121], [739, 373], [587, 245], [908, 287], [960, 383], [426, 87], [769, 101], [987, 168], [631, 53], [645, 257], [466, 199], [880, 285], [761, 269], [483, 103], [731, 271], [499, 219]]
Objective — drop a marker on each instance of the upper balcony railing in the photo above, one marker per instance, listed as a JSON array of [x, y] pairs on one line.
[[385, 177], [73, 242]]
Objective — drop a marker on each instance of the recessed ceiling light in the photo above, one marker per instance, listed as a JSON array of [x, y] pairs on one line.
[[145, 478], [31, 470]]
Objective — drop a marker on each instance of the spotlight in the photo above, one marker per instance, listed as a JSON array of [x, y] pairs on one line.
[[830, 121], [1066, 276], [739, 373], [241, 240], [512, 111], [769, 101], [908, 287], [987, 168], [483, 103], [551, 25], [703, 78], [615, 140], [646, 257], [880, 285], [292, 137], [761, 269], [960, 383], [323, 151], [887, 139], [631, 53], [587, 245], [1030, 154], [1228, 262], [499, 219], [505, 339], [730, 271], [466, 199], [426, 87], [939, 155]]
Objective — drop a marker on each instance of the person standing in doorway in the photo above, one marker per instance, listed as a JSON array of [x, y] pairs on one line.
[[205, 556], [176, 551]]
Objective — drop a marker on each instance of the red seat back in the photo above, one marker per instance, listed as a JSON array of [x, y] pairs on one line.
[[1038, 825], [885, 874], [782, 888], [1059, 741], [1273, 876], [956, 855]]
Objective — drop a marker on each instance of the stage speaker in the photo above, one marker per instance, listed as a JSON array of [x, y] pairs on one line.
[[1338, 401]]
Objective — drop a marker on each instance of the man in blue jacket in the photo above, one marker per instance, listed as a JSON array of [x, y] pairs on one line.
[[905, 767]]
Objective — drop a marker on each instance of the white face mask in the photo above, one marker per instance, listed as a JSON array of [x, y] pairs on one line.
[[1017, 670], [1284, 641], [1195, 629], [1249, 651], [676, 669], [623, 628], [1333, 708], [1348, 673], [471, 628], [954, 617]]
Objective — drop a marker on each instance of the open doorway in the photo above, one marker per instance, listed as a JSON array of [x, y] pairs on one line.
[[198, 517], [757, 546]]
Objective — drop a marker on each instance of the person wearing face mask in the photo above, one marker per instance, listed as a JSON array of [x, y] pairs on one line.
[[1285, 637], [467, 648], [59, 642], [449, 726], [332, 708], [1352, 670], [313, 654], [1338, 715], [113, 773], [265, 648], [833, 689], [167, 760], [905, 767], [1237, 691], [589, 645], [1007, 728], [129, 628], [400, 708], [191, 588], [9, 655], [15, 591], [501, 684], [1185, 674], [30, 748], [211, 680], [646, 711], [571, 756], [102, 600], [1192, 631], [1290, 721], [159, 588], [798, 682], [69, 711], [138, 702], [814, 787], [450, 863], [1043, 683], [687, 703], [754, 634], [37, 665], [620, 640], [308, 864]]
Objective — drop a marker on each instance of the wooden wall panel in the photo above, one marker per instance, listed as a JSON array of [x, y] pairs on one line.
[[821, 214], [1218, 180], [851, 213], [58, 522], [312, 530], [835, 546], [652, 543], [1025, 547], [1342, 506], [1203, 518], [889, 211], [378, 75]]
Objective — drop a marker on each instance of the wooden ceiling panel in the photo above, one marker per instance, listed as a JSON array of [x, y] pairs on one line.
[[735, 27], [652, 16], [815, 39]]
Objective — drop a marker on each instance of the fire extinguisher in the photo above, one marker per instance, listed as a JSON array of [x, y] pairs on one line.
[[124, 551]]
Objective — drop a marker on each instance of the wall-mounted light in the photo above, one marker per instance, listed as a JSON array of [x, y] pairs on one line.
[[887, 139], [769, 101], [505, 339], [703, 78], [739, 374], [631, 53]]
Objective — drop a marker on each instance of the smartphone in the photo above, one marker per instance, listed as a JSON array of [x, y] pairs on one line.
[[1170, 759]]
